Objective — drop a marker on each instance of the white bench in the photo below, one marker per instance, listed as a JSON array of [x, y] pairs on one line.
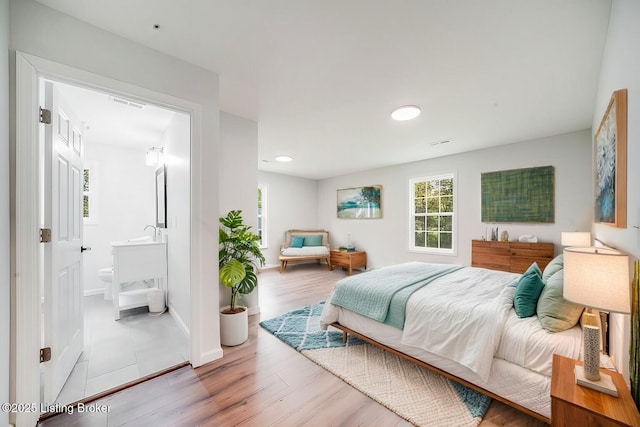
[[306, 252]]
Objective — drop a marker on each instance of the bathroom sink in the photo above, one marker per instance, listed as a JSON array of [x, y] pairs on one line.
[[141, 239], [145, 240]]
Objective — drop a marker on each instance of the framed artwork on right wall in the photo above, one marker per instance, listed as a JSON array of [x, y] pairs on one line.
[[611, 163]]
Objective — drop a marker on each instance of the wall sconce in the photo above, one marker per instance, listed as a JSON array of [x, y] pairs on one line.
[[155, 156]]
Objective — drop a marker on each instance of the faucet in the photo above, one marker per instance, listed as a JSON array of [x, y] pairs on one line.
[[155, 231]]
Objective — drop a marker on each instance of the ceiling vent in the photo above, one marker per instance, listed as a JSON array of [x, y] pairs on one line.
[[126, 102], [444, 141]]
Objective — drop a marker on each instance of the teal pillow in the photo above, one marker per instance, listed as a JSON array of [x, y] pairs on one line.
[[553, 267], [313, 240], [554, 312], [527, 291], [297, 241]]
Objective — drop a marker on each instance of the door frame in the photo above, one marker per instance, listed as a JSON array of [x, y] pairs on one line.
[[28, 276]]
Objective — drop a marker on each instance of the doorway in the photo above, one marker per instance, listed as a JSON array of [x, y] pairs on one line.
[[114, 135], [202, 322]]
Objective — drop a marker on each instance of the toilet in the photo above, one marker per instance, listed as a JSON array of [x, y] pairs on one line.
[[106, 275]]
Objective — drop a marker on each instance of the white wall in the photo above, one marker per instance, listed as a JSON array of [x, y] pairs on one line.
[[386, 240], [292, 202], [239, 181], [4, 208], [176, 150], [48, 34], [126, 204], [620, 69]]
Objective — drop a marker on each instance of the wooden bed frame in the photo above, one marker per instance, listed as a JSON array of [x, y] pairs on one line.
[[346, 332]]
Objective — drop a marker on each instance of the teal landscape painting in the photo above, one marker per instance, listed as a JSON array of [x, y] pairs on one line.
[[360, 202]]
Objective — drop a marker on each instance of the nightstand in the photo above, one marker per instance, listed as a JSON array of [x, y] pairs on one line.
[[348, 260], [572, 405]]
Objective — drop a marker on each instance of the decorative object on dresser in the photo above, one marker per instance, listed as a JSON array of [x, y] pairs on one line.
[[518, 195], [572, 405], [515, 257], [348, 259], [611, 163], [304, 245], [597, 278]]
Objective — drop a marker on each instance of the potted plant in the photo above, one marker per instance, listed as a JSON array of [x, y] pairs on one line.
[[238, 254]]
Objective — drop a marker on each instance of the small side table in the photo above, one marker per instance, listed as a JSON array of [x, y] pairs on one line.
[[348, 260], [573, 405]]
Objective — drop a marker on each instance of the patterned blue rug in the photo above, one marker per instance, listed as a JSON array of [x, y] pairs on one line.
[[420, 396]]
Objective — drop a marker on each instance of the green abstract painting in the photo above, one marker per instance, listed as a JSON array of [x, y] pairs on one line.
[[518, 195]]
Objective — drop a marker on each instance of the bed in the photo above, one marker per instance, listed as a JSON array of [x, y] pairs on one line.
[[461, 322]]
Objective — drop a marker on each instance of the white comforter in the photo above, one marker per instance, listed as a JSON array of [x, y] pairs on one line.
[[459, 316]]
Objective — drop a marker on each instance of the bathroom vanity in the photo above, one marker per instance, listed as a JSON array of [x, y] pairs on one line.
[[137, 260]]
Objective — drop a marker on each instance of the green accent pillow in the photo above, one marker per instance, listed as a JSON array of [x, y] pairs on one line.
[[553, 267], [527, 291], [296, 242], [554, 312], [313, 240]]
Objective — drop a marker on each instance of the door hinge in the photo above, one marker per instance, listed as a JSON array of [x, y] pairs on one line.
[[45, 235], [45, 116], [45, 354]]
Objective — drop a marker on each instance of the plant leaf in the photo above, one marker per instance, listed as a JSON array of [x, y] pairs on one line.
[[232, 273]]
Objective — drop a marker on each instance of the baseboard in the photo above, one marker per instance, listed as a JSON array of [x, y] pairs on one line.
[[183, 326], [90, 292], [268, 267], [209, 356]]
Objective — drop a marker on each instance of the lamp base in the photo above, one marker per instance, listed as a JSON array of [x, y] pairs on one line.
[[604, 385]]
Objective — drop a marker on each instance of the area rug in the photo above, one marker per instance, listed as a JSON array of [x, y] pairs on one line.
[[416, 394]]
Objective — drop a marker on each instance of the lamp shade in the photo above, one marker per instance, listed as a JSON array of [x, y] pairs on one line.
[[597, 278], [575, 238]]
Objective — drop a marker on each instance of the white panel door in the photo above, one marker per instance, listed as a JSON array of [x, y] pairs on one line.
[[63, 290]]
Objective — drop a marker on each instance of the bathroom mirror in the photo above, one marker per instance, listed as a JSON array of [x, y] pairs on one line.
[[161, 197]]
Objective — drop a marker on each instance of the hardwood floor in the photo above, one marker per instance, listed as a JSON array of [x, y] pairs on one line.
[[262, 382]]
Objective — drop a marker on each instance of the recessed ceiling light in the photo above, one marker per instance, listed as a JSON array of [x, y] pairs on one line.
[[406, 112], [284, 158]]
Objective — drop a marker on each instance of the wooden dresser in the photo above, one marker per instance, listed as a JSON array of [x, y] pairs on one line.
[[515, 257]]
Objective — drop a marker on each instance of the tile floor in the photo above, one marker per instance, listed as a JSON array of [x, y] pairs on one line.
[[120, 351]]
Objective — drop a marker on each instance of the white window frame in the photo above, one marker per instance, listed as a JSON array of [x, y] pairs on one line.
[[454, 216], [262, 218], [92, 194]]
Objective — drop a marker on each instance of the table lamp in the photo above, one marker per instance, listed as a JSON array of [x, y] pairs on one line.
[[575, 238], [596, 278]]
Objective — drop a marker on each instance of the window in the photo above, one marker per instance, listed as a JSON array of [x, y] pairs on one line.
[[90, 194], [262, 215], [432, 214]]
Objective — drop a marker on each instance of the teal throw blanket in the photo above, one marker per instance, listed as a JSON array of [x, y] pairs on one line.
[[382, 294]]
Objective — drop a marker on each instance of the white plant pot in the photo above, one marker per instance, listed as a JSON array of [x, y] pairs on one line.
[[234, 328]]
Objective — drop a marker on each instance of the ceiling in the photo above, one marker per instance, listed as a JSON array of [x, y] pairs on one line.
[[116, 120], [321, 77]]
